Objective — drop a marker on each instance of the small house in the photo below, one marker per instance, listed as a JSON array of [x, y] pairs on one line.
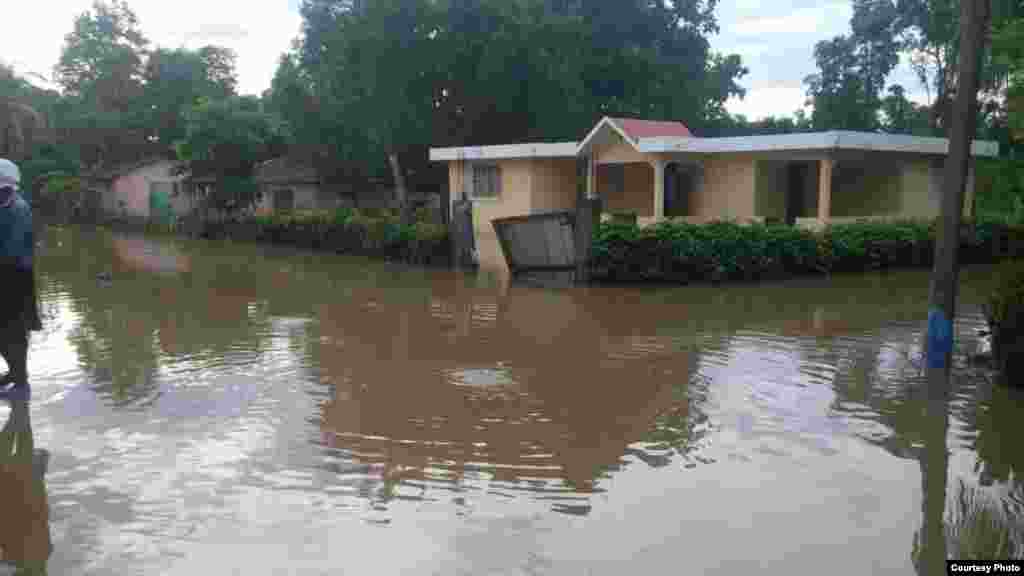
[[286, 185], [659, 170], [149, 188]]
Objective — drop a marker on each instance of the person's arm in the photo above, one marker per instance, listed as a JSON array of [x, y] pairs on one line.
[[24, 238]]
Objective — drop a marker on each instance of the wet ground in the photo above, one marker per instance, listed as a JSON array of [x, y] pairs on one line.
[[262, 411]]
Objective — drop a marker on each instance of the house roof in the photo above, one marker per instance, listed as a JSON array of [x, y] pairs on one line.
[[284, 170], [536, 150], [834, 140], [112, 172], [647, 136], [637, 129]]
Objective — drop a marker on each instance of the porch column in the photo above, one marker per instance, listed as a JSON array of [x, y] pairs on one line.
[[659, 189], [591, 177], [825, 190]]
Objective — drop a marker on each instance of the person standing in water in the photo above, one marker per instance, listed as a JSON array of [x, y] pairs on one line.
[[19, 312]]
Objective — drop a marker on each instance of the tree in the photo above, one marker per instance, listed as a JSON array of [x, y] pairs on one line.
[[901, 116], [101, 72], [382, 81], [841, 91], [175, 81], [224, 141]]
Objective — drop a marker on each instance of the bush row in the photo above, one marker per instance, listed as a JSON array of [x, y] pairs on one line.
[[346, 231], [680, 252], [1004, 311]]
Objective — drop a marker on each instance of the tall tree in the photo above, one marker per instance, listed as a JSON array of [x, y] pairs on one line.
[[175, 81], [397, 76], [101, 72], [841, 91]]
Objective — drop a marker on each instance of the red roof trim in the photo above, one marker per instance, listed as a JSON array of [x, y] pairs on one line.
[[637, 128]]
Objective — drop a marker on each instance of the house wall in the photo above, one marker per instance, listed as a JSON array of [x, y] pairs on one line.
[[307, 197], [619, 152], [637, 195], [553, 184], [729, 189], [922, 188], [514, 200], [771, 184], [871, 187], [133, 189]]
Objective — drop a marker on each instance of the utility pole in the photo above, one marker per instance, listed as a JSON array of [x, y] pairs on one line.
[[934, 458], [942, 303]]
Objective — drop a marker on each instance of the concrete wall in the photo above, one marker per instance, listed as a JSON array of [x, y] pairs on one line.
[[923, 181], [554, 184], [619, 152], [133, 189], [870, 187], [771, 186], [637, 195], [729, 189], [514, 200], [307, 197]]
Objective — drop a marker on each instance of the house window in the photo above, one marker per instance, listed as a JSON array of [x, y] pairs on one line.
[[486, 181], [284, 199]]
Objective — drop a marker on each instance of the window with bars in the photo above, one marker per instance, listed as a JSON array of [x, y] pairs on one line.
[[486, 181]]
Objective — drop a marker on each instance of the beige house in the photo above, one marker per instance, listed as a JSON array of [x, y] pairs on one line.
[[659, 170]]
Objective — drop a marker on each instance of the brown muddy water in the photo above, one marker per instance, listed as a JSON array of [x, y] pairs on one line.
[[276, 412]]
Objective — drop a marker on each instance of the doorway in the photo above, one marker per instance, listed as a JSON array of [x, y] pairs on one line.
[[796, 191]]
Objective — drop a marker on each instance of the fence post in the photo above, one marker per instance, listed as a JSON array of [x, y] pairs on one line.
[[460, 230], [588, 216]]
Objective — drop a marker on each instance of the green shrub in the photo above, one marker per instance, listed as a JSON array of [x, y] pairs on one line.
[[1004, 312], [681, 252], [346, 230]]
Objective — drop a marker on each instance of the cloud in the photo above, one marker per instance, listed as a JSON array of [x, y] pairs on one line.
[[257, 32], [803, 21], [782, 100]]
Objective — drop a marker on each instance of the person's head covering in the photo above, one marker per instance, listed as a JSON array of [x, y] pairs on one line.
[[10, 178]]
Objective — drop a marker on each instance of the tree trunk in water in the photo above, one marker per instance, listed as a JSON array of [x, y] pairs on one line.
[[401, 194]]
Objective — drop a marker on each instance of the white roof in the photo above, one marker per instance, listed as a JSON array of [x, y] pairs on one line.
[[539, 150], [835, 140]]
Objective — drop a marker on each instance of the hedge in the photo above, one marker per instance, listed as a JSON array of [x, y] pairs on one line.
[[1004, 311], [680, 253], [345, 231]]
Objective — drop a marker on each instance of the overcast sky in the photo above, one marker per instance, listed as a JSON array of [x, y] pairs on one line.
[[776, 39]]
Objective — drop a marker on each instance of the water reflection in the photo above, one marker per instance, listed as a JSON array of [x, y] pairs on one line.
[[473, 424], [534, 392], [25, 529]]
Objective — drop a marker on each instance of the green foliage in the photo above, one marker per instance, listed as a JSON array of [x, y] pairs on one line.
[[1006, 303], [176, 80], [346, 230], [370, 79], [1004, 311], [682, 252], [224, 140]]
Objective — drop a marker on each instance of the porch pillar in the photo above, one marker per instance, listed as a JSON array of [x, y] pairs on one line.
[[659, 189], [825, 190], [591, 178]]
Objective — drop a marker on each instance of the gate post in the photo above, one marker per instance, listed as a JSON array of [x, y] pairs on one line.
[[460, 230], [588, 216]]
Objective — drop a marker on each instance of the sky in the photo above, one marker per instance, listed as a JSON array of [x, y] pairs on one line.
[[776, 40]]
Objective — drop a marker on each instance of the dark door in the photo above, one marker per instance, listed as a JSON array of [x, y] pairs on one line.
[[795, 194]]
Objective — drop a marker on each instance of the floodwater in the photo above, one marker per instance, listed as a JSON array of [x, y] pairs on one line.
[[257, 410]]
